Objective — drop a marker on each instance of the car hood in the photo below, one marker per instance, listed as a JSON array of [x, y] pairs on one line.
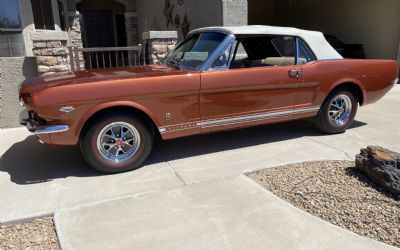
[[81, 77]]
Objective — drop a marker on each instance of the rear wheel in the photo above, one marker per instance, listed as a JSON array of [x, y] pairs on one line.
[[337, 113], [116, 143]]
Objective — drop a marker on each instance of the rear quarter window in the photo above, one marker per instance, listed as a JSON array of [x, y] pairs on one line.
[[305, 55]]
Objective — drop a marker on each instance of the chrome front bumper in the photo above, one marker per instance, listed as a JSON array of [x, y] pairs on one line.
[[33, 126]]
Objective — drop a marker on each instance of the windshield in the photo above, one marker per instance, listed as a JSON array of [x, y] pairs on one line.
[[194, 51]]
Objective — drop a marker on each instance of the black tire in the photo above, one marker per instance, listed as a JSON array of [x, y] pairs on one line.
[[323, 120], [96, 159]]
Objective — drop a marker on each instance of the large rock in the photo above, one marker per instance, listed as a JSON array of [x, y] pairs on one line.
[[382, 166]]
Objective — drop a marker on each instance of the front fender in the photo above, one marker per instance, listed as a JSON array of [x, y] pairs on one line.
[[94, 110]]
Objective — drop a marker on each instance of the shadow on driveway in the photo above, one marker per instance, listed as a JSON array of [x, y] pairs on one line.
[[29, 162], [223, 141]]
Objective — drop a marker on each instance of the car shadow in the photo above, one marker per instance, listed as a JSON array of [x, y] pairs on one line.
[[29, 162], [230, 140]]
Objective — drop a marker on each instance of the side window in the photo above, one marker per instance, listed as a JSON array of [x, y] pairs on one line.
[[264, 51], [305, 54], [240, 57], [284, 46], [286, 49], [240, 52], [223, 60]]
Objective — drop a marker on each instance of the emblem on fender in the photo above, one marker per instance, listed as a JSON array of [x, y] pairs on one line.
[[67, 109]]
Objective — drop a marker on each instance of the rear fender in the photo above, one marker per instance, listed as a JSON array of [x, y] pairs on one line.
[[349, 80]]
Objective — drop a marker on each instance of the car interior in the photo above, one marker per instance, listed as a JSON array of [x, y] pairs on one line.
[[263, 51]]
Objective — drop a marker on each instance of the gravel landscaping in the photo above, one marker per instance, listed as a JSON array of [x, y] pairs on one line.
[[336, 192], [36, 234]]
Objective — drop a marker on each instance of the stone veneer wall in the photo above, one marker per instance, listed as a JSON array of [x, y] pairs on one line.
[[159, 44], [51, 52], [75, 34]]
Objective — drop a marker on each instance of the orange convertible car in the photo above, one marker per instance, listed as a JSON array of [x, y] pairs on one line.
[[218, 78]]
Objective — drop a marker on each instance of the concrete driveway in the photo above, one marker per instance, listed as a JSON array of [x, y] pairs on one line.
[[37, 179], [229, 213]]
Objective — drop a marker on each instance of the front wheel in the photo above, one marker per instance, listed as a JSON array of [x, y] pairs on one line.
[[116, 143], [337, 113]]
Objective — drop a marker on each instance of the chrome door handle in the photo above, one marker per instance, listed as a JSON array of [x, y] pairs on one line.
[[295, 73]]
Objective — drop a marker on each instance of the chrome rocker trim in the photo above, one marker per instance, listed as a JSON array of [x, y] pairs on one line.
[[238, 119]]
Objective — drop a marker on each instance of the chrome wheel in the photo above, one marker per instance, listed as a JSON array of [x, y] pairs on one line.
[[340, 110], [118, 142]]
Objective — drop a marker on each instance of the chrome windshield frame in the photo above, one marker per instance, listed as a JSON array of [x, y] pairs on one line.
[[228, 41]]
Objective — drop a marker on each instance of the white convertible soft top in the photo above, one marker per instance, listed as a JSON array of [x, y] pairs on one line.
[[316, 40]]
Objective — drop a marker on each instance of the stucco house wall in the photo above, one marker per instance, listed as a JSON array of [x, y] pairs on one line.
[[234, 12], [13, 70], [199, 13]]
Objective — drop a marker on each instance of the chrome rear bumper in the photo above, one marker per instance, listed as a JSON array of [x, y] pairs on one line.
[[33, 126]]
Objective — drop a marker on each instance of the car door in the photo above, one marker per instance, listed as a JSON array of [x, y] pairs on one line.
[[254, 89], [307, 92]]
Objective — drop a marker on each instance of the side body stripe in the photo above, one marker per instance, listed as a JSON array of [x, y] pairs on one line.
[[237, 119]]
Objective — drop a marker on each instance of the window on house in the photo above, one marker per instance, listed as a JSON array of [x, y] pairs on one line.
[[120, 30], [62, 15], [43, 14], [11, 42], [264, 51]]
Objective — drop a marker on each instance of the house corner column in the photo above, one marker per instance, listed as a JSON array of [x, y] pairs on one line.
[[158, 44], [234, 12], [75, 33], [51, 52]]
